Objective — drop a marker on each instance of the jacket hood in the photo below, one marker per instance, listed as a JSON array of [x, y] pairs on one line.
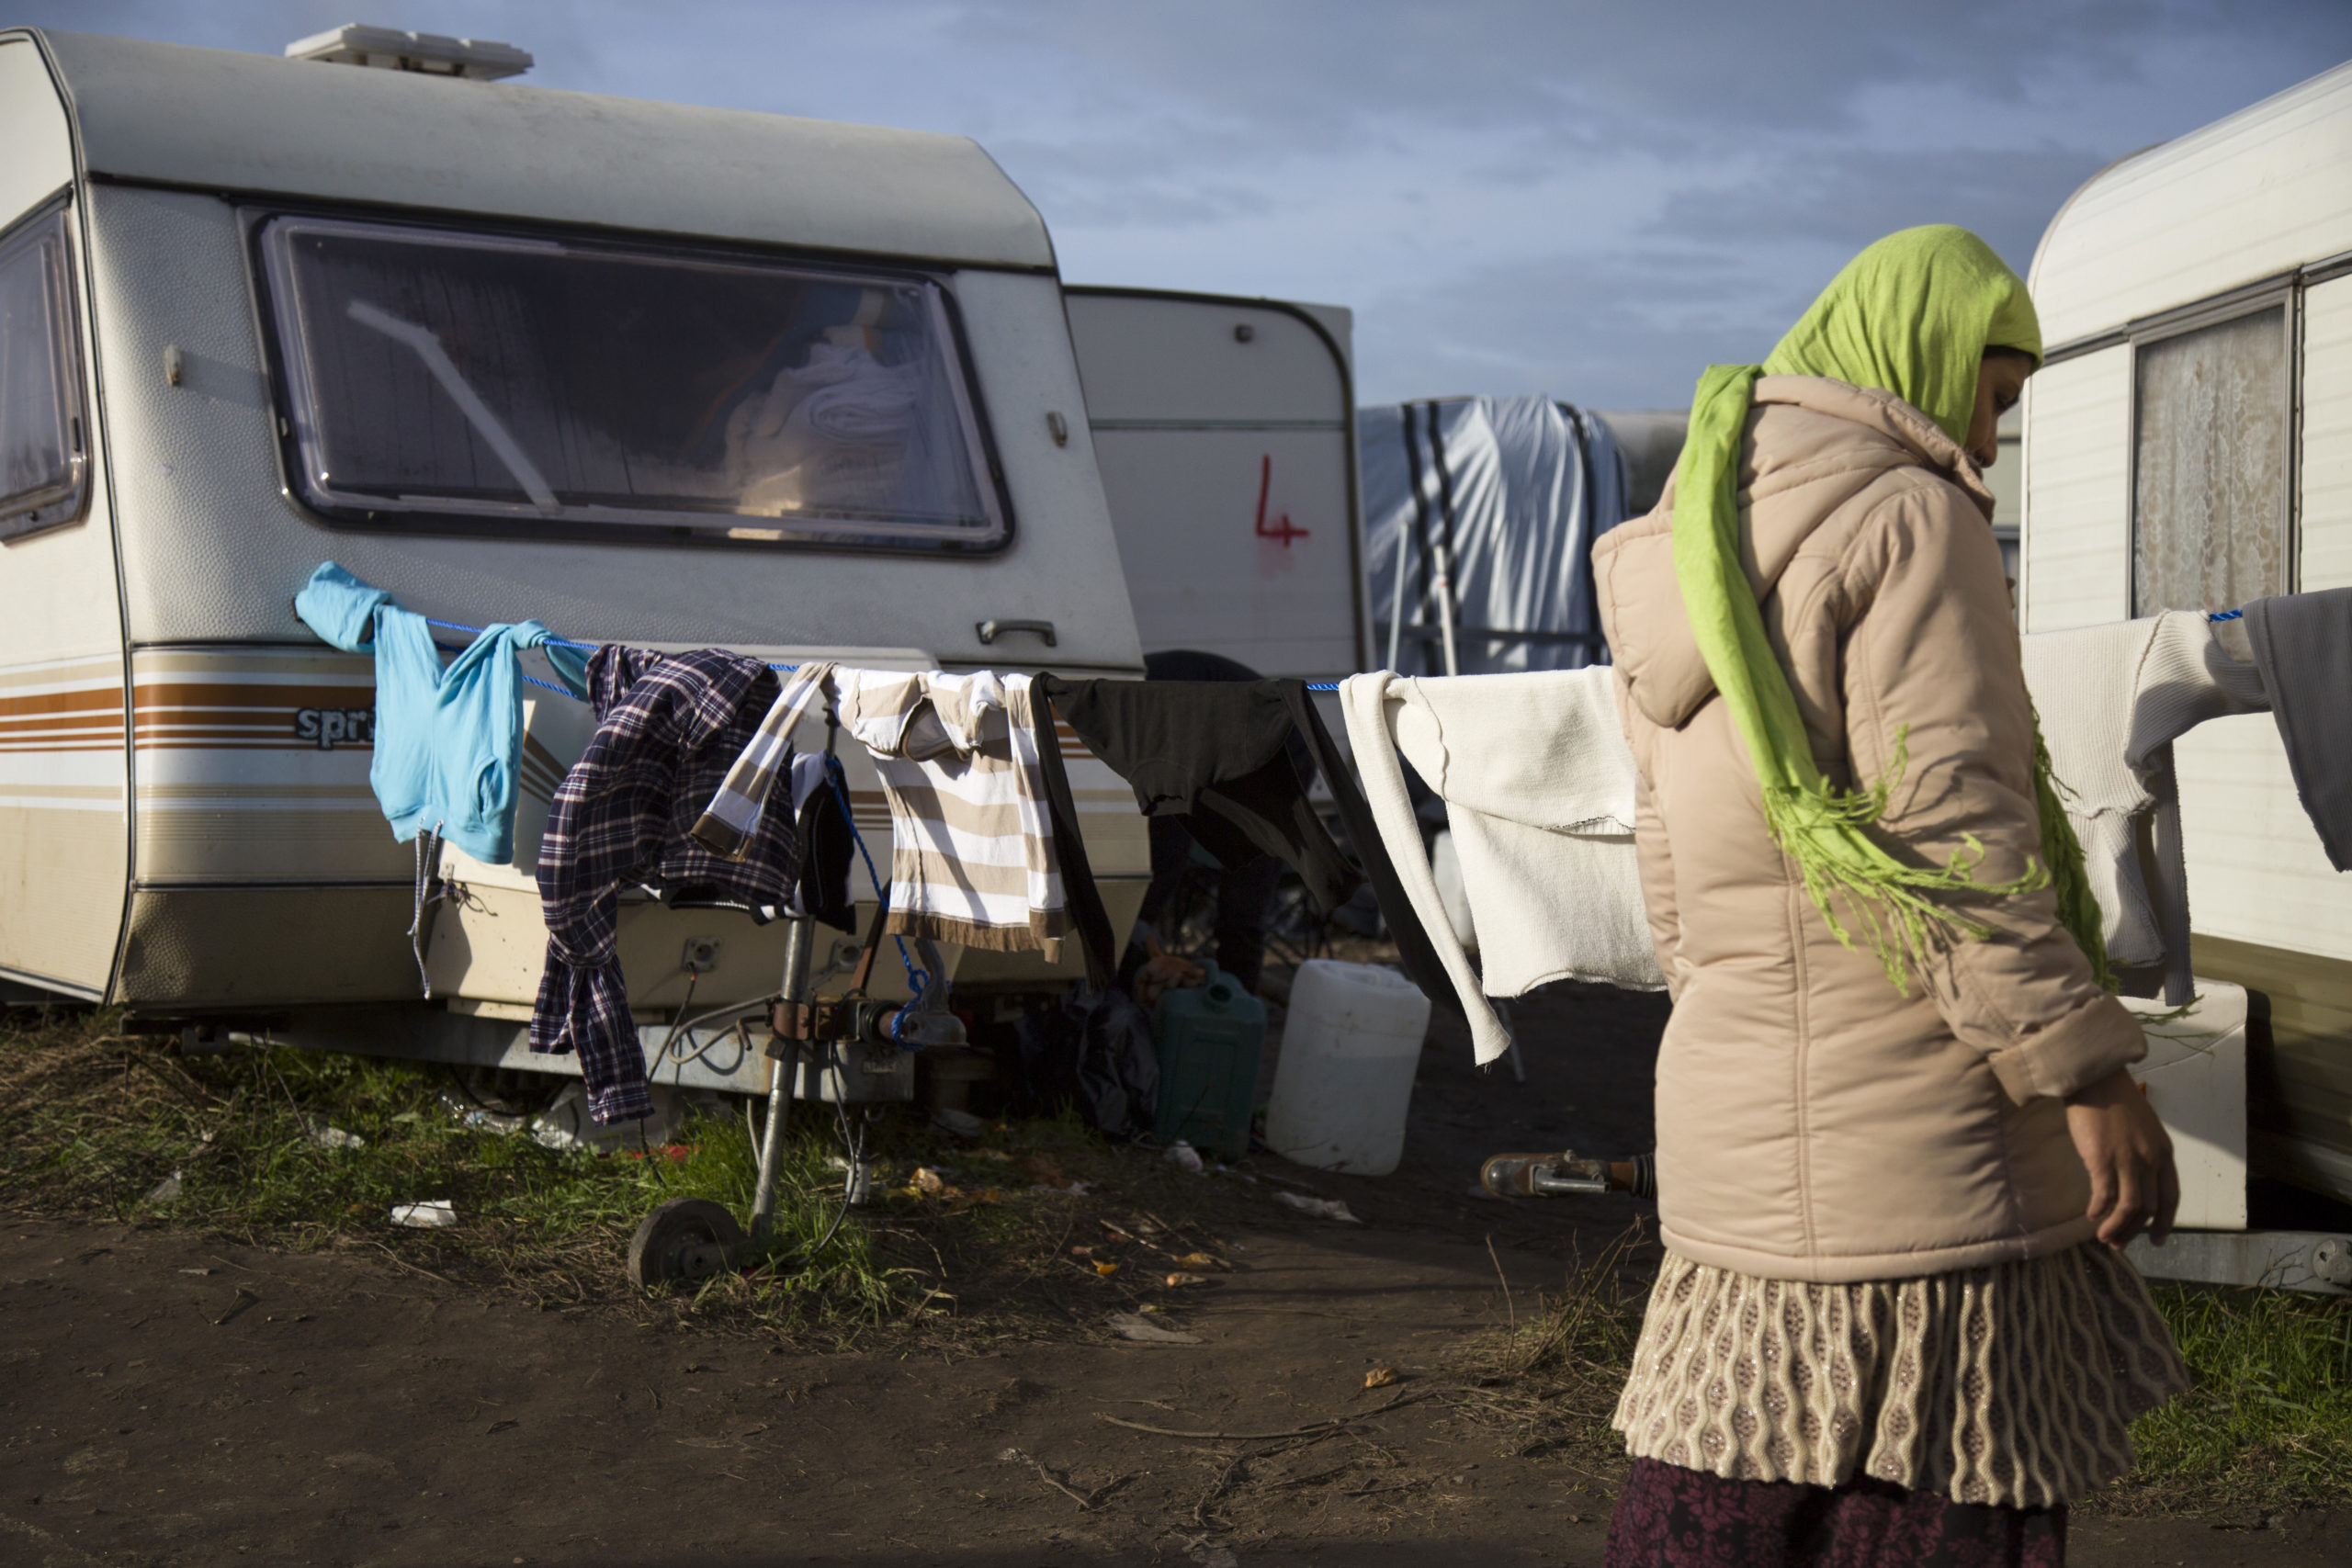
[[1810, 445]]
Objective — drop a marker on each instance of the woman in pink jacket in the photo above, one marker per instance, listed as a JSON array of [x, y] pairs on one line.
[[1898, 1149]]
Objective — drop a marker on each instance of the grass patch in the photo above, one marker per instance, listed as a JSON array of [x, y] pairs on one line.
[[2268, 1426], [100, 1118]]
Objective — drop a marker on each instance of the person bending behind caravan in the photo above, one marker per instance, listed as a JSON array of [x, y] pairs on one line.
[[1898, 1151]]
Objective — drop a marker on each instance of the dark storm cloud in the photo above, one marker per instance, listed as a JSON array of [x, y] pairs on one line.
[[1590, 199]]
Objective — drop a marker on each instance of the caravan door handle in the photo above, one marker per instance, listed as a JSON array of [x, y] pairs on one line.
[[991, 630]]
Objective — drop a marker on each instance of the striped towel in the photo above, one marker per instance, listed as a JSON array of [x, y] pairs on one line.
[[726, 826], [972, 855]]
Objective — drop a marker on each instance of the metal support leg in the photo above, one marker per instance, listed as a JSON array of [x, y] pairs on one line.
[[787, 1071]]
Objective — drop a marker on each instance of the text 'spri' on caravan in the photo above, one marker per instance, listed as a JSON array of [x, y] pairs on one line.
[[330, 728]]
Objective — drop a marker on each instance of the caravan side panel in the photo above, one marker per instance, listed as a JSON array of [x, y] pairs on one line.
[[2250, 197], [63, 838], [2326, 441], [2076, 567]]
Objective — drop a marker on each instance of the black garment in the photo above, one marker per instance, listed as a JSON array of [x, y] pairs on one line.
[[2302, 644], [828, 851], [1243, 891], [1069, 847], [1243, 895], [1217, 756], [1090, 1047]]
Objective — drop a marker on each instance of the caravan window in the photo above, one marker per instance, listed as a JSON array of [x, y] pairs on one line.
[[42, 467], [2210, 464], [434, 378]]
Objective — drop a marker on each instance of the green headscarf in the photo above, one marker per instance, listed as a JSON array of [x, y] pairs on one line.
[[1912, 315]]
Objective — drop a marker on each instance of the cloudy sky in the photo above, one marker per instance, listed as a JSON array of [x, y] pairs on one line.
[[1585, 198]]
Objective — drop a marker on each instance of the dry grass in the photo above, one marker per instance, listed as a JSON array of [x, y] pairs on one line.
[[1551, 1381]]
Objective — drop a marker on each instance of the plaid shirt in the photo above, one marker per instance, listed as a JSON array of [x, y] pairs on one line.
[[669, 727]]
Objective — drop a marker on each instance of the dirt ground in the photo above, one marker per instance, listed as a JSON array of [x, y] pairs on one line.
[[167, 1398]]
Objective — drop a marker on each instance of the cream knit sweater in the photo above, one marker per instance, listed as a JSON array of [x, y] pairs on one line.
[[1538, 786]]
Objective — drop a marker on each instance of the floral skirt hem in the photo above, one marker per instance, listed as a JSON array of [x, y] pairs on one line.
[[1671, 1517]]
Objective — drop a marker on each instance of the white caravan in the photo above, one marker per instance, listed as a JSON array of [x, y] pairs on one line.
[[507, 353], [2189, 446]]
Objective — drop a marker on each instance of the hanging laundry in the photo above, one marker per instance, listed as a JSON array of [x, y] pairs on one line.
[[828, 844], [1538, 785], [669, 726], [446, 740], [2110, 698], [974, 856], [2302, 644], [726, 825], [1216, 757]]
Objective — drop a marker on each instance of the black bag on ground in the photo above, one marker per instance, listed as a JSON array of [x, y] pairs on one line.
[[1090, 1049]]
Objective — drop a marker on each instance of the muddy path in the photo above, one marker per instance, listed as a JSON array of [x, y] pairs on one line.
[[166, 1398]]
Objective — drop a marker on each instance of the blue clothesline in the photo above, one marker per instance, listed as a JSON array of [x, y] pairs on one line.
[[590, 647]]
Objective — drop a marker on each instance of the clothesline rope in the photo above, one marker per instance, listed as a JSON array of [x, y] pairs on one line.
[[787, 668], [783, 668]]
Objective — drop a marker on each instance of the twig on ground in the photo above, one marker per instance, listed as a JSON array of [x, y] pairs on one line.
[[1316, 1429], [1509, 1305], [1082, 1499]]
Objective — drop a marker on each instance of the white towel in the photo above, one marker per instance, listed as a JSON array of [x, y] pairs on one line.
[[2109, 698], [1538, 786]]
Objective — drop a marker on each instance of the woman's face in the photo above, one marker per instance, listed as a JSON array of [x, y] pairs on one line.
[[2000, 381]]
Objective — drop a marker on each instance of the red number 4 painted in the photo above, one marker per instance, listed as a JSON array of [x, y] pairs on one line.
[[1282, 529]]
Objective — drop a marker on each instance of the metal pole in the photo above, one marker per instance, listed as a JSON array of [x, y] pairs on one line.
[[787, 1068], [1446, 606]]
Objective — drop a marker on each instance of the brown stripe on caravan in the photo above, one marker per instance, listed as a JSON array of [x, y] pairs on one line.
[[72, 699]]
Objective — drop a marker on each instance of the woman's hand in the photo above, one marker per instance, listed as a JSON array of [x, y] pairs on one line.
[[2126, 1150]]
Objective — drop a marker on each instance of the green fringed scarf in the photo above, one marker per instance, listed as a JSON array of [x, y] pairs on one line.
[[1912, 315]]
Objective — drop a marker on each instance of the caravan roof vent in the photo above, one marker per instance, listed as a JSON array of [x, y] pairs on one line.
[[355, 43]]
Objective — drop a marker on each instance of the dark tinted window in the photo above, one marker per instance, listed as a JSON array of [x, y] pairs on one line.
[[594, 390]]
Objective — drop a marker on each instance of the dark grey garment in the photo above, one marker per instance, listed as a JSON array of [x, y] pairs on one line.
[[2303, 643]]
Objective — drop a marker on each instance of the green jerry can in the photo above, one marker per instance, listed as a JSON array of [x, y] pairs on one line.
[[1209, 1037]]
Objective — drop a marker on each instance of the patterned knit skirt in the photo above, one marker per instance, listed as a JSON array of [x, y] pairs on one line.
[[2014, 1385]]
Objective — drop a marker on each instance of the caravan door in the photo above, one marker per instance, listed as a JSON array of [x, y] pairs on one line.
[[1225, 430]]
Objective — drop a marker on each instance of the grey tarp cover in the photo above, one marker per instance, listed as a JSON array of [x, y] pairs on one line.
[[1516, 490]]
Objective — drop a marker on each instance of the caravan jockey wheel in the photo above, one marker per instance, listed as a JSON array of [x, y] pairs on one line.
[[685, 1238]]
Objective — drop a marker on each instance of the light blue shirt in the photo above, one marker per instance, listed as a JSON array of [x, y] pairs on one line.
[[446, 739]]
